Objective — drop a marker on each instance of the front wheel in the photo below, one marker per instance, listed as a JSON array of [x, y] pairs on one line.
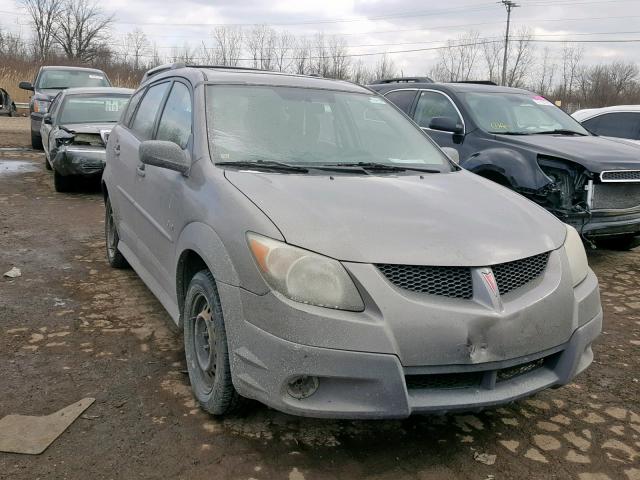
[[205, 347], [36, 141], [12, 111], [114, 257], [62, 183]]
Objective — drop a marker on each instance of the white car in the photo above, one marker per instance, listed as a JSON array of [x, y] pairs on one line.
[[622, 121]]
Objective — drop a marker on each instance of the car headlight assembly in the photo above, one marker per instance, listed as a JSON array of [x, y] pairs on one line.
[[40, 106], [577, 256], [304, 276]]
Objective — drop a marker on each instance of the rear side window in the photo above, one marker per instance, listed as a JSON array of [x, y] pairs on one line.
[[175, 122], [403, 99], [433, 104], [621, 125], [131, 108], [145, 117]]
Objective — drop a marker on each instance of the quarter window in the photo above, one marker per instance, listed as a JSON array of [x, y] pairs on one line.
[[621, 125], [433, 104], [145, 117], [131, 108], [175, 122], [403, 99]]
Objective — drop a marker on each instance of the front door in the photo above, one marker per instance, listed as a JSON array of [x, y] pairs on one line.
[[432, 103]]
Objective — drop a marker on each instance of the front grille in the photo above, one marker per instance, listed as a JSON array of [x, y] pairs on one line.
[[620, 176], [616, 196], [453, 282], [509, 373], [444, 381], [512, 275]]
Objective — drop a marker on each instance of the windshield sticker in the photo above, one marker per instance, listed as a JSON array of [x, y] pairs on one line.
[[96, 77], [542, 101], [111, 106], [499, 126], [327, 108], [377, 100]]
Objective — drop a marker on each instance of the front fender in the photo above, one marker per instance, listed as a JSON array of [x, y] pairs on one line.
[[521, 170]]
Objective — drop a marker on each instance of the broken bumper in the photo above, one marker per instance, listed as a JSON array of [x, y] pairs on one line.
[[608, 224], [359, 384], [78, 160]]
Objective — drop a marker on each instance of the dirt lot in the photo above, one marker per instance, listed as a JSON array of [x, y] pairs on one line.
[[71, 327]]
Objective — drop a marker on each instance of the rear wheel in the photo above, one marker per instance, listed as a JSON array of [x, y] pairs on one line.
[[622, 242], [62, 183], [36, 141], [206, 350], [115, 258], [12, 111]]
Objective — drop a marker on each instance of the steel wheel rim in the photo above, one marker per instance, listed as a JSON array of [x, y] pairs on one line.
[[203, 342]]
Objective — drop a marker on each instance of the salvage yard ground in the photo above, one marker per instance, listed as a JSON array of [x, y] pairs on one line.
[[71, 327]]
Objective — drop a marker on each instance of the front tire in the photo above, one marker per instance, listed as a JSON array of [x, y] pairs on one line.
[[62, 183], [114, 257], [206, 350], [36, 141]]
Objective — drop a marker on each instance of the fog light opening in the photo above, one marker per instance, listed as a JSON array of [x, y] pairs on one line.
[[302, 386]]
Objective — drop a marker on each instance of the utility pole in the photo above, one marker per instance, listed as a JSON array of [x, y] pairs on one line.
[[509, 6]]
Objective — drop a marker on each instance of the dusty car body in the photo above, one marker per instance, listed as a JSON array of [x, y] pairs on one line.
[[7, 105], [521, 140], [75, 130], [49, 81], [324, 256]]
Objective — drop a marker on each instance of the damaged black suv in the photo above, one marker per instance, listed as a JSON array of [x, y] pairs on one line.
[[526, 143]]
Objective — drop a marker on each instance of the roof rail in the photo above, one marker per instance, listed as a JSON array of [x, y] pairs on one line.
[[404, 80], [478, 82], [161, 68]]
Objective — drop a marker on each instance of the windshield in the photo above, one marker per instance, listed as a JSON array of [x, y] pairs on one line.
[[507, 113], [301, 126], [92, 108], [59, 79]]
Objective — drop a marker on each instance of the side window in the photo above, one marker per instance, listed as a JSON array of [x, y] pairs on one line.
[[175, 122], [133, 103], [145, 117], [621, 125], [402, 98], [55, 103], [433, 104]]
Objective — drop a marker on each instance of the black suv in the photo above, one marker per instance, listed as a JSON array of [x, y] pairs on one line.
[[524, 142], [49, 81]]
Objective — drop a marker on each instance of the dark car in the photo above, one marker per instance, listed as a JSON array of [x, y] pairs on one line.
[[7, 106], [75, 130], [49, 81], [524, 142]]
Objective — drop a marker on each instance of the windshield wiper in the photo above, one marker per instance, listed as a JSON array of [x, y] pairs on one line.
[[560, 131], [265, 164], [383, 167]]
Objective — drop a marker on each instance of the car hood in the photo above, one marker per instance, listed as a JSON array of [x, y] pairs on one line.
[[453, 219], [593, 153]]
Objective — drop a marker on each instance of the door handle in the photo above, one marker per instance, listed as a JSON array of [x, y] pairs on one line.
[[116, 149], [140, 170]]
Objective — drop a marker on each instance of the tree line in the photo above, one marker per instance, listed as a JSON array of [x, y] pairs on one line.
[[81, 32]]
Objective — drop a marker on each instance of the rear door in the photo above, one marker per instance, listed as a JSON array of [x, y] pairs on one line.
[[127, 169], [159, 190], [403, 99]]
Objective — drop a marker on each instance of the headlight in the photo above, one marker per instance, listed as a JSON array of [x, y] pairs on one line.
[[40, 106], [576, 255], [304, 276]]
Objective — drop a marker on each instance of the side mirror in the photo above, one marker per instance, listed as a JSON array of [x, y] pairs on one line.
[[453, 154], [26, 86], [163, 154], [446, 124], [47, 119]]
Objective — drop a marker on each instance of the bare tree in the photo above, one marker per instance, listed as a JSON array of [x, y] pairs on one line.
[[260, 43], [184, 54], [521, 58], [338, 54], [319, 60], [457, 62], [228, 41], [385, 68], [43, 15], [81, 29], [301, 56], [136, 45], [571, 60], [492, 52], [360, 73], [546, 74]]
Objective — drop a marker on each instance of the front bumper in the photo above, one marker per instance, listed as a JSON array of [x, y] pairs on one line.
[[359, 384], [78, 160], [608, 224]]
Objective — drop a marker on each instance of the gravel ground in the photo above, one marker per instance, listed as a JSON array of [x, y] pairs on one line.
[[71, 327]]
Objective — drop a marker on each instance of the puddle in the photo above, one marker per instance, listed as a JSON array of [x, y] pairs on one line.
[[10, 167]]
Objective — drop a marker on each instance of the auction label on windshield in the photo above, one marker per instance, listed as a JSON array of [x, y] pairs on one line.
[[542, 101]]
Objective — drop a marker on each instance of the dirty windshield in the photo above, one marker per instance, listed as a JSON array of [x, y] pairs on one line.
[[59, 79], [519, 114], [92, 108], [308, 127]]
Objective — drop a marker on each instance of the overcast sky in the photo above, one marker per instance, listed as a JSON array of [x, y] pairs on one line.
[[378, 25]]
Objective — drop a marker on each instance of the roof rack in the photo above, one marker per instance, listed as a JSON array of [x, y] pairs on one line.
[[173, 66], [161, 68], [479, 82], [404, 80]]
